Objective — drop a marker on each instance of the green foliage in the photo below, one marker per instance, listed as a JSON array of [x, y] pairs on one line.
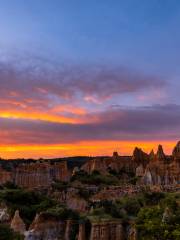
[[153, 198], [28, 202], [132, 205], [62, 213], [84, 193], [170, 201], [150, 222], [10, 185], [8, 234], [95, 178], [176, 234], [60, 186], [114, 209], [134, 180], [147, 210]]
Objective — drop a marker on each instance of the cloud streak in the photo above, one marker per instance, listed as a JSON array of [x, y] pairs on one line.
[[140, 123]]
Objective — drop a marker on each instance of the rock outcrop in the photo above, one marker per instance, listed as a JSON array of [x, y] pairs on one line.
[[77, 204], [140, 157], [160, 154], [167, 215], [152, 155], [4, 215], [37, 175], [103, 230], [97, 164], [5, 176], [82, 232], [176, 152], [153, 169], [140, 171], [45, 227], [163, 170], [132, 233], [115, 162], [17, 223]]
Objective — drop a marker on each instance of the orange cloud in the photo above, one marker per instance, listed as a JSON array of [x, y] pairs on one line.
[[57, 114], [69, 109], [37, 116]]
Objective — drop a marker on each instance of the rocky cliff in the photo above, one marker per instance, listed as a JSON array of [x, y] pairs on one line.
[[163, 170], [40, 174], [5, 176], [103, 165], [107, 230], [45, 227], [35, 175], [153, 169]]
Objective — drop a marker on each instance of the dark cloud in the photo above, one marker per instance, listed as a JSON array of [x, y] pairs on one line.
[[142, 123]]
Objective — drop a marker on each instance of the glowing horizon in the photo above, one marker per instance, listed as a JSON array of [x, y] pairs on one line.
[[97, 148]]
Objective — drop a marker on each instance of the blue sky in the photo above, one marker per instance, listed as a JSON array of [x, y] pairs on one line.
[[141, 33], [90, 59]]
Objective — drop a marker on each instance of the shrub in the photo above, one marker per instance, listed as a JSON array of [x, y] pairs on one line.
[[8, 234]]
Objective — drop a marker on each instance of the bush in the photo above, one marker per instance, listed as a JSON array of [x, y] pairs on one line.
[[95, 178], [131, 205], [150, 225], [28, 202], [153, 198], [62, 213], [58, 185], [8, 234]]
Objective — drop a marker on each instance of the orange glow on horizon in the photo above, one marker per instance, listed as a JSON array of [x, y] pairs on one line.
[[90, 148]]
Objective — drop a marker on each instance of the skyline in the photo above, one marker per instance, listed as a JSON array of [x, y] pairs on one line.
[[90, 78]]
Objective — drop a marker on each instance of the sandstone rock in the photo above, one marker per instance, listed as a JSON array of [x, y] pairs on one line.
[[75, 170], [132, 235], [107, 230], [37, 175], [45, 227], [152, 155], [17, 223], [163, 170], [147, 178], [96, 164], [120, 234], [160, 154], [5, 176], [35, 222], [77, 204], [68, 229], [176, 151], [140, 157], [81, 234], [103, 165], [140, 171], [4, 215], [115, 155], [167, 215]]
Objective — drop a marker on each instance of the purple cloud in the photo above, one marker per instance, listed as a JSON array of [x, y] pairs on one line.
[[140, 123], [41, 87]]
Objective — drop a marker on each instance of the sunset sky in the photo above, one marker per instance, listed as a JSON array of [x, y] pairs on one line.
[[84, 77]]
